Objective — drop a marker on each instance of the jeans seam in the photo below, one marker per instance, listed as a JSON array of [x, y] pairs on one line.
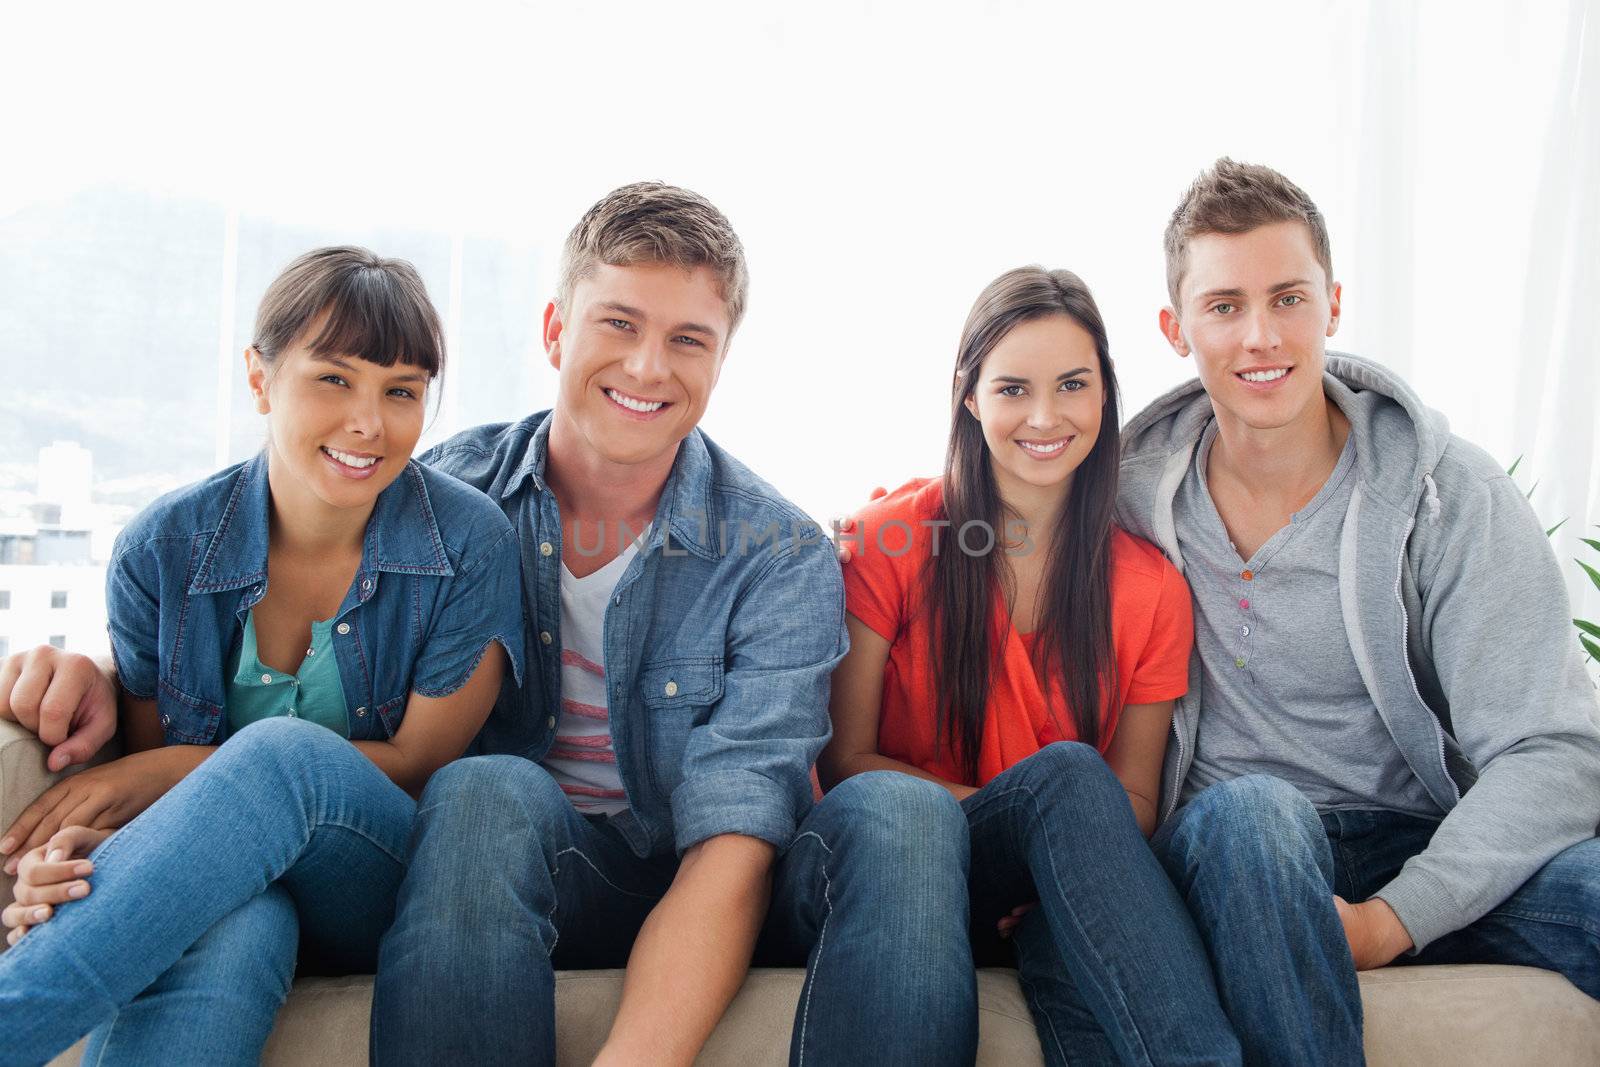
[[1055, 1038], [555, 895], [1055, 877], [822, 934], [1576, 922]]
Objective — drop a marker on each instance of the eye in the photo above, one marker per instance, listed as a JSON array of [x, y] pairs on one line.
[[402, 393], [1010, 390], [684, 339], [1289, 300], [1072, 385], [333, 379], [1223, 309], [621, 324]]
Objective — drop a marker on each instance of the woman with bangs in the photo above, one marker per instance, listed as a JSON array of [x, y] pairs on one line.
[[1014, 648], [300, 640]]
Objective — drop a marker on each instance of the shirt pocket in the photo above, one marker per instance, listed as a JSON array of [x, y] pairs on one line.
[[678, 695]]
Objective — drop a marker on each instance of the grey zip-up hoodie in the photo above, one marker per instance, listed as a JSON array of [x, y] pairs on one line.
[[1459, 621]]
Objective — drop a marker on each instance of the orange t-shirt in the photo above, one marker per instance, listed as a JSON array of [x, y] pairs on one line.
[[1152, 630]]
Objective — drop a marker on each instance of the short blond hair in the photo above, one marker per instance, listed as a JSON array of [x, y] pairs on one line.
[[650, 222], [1230, 197]]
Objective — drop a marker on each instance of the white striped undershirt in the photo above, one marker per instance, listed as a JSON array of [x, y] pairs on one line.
[[581, 759]]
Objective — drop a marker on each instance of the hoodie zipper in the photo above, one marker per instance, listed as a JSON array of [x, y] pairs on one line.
[[1405, 655]]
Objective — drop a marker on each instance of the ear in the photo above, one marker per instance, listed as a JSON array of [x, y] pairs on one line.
[[255, 373], [1335, 294], [552, 334], [1172, 330], [971, 403]]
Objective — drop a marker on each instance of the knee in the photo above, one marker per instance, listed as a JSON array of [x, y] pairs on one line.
[[904, 822], [1255, 815], [1066, 763], [510, 795], [291, 745]]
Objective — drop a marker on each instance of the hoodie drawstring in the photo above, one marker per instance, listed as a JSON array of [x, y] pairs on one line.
[[1431, 495]]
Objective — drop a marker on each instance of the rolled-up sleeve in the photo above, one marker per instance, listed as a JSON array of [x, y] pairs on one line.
[[747, 768], [483, 604], [133, 618]]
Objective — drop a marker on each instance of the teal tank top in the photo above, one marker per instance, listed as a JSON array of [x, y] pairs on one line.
[[314, 693]]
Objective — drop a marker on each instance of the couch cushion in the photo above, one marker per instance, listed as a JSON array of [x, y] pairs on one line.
[[1459, 1016]]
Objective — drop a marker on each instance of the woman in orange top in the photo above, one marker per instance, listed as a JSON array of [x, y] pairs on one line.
[[1015, 649]]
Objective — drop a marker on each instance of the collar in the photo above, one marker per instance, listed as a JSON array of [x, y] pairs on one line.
[[688, 501], [402, 534]]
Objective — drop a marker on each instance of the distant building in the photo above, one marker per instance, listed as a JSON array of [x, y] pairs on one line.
[[52, 588]]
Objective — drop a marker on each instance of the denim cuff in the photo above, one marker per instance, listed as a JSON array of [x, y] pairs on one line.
[[731, 802], [1423, 905]]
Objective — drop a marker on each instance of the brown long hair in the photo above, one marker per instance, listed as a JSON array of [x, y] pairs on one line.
[[1076, 616]]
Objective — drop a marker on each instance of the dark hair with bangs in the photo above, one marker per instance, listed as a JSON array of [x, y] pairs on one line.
[[373, 308]]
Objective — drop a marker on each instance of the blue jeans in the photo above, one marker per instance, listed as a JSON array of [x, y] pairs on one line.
[[508, 883], [186, 947], [1110, 962], [1259, 868], [1552, 922]]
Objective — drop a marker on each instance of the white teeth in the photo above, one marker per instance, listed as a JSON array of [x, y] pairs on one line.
[[350, 461], [635, 405], [1043, 450], [1264, 375]]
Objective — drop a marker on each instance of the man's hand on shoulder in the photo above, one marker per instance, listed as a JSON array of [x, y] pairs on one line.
[[1375, 933], [847, 525], [64, 698]]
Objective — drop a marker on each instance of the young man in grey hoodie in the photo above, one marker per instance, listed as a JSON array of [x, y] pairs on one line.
[[1389, 751]]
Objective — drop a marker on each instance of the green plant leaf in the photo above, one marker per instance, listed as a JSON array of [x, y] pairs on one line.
[[1557, 526], [1591, 542], [1594, 575], [1512, 470], [1529, 494], [1592, 648], [1587, 627]]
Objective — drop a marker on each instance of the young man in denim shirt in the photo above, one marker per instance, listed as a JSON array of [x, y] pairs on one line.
[[1389, 750], [676, 698]]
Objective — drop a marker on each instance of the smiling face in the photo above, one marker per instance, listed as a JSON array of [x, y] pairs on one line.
[[639, 349], [340, 428], [1256, 310], [1039, 396]]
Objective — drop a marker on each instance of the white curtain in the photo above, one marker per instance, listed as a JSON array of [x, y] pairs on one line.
[[1476, 200]]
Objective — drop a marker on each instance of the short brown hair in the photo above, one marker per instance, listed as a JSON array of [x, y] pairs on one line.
[[1231, 197], [377, 310], [649, 222]]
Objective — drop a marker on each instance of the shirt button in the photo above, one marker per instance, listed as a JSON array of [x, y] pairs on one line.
[[266, 679], [344, 628], [366, 583], [546, 548], [1244, 630], [1248, 575], [544, 636], [551, 722], [1239, 662], [256, 591], [1244, 605], [671, 689], [616, 600], [292, 715], [166, 720], [311, 652], [361, 713]]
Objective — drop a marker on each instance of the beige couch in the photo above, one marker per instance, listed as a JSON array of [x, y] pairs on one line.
[[1416, 1016]]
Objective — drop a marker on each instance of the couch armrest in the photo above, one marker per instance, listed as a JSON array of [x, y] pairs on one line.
[[23, 777]]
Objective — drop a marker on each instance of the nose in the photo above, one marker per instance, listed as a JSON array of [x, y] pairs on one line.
[[1260, 333], [1042, 412], [647, 361], [364, 416]]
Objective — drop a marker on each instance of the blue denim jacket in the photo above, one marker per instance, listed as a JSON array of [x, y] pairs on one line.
[[719, 640], [438, 580]]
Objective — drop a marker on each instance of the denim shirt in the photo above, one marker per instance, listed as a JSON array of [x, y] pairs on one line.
[[438, 581], [719, 640]]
